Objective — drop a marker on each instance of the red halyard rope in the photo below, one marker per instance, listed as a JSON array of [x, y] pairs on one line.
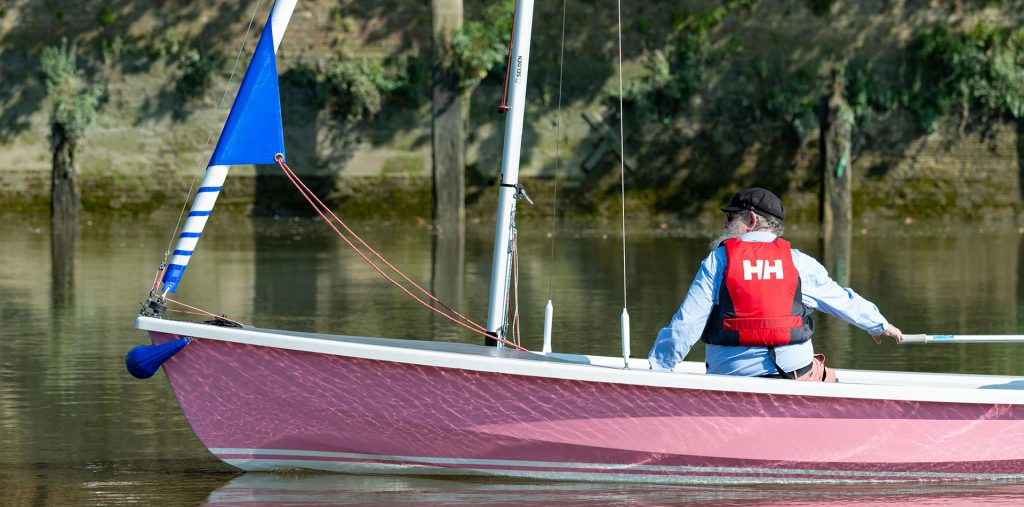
[[508, 61], [200, 310], [320, 207], [515, 286], [156, 280]]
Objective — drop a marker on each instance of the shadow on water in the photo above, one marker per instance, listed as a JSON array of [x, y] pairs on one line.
[[252, 488], [288, 265]]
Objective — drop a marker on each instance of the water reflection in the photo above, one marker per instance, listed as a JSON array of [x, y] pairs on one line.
[[75, 428], [447, 277], [63, 237], [259, 489], [837, 246], [286, 259]]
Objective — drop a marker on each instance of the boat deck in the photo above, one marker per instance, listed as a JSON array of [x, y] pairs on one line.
[[865, 377]]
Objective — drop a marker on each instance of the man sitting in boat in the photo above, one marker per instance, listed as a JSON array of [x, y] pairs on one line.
[[752, 300]]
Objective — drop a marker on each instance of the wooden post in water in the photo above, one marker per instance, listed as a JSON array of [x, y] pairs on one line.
[[449, 169], [1020, 157], [65, 199], [837, 124], [449, 166]]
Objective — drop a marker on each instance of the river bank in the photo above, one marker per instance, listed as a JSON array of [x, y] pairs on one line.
[[747, 117]]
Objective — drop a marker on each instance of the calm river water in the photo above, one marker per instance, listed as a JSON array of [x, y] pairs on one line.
[[76, 429]]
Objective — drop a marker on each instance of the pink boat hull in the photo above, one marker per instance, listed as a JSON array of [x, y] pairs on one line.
[[264, 408]]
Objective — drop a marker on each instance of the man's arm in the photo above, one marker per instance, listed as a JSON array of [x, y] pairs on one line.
[[675, 340], [823, 293]]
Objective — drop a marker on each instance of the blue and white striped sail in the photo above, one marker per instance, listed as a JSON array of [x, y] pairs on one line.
[[252, 135]]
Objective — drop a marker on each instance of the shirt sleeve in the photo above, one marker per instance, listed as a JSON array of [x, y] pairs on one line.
[[823, 293], [675, 340]]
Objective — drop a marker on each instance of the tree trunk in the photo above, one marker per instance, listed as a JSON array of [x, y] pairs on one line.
[[449, 152]]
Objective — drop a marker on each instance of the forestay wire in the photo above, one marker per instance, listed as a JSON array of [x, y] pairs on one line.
[[209, 138]]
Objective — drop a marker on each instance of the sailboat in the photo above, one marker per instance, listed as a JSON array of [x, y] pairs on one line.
[[265, 399]]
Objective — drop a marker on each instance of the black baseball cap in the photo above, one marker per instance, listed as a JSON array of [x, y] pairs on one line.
[[757, 199]]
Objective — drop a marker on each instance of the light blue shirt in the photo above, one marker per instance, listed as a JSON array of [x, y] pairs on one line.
[[819, 292]]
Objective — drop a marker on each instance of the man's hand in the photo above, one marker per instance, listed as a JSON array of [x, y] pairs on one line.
[[892, 331]]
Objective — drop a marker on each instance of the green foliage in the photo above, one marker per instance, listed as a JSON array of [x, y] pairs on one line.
[[868, 94], [356, 88], [195, 71], [170, 43], [977, 71], [112, 48], [359, 87], [676, 73], [74, 101], [788, 95], [106, 17], [479, 46], [301, 74]]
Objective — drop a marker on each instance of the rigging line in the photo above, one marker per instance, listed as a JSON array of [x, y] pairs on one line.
[[159, 274], [298, 185], [308, 194], [305, 190], [171, 310], [622, 161], [503, 107], [516, 324], [203, 312], [558, 156], [310, 199], [209, 138]]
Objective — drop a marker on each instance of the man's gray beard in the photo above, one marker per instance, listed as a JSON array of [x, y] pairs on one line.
[[733, 229]]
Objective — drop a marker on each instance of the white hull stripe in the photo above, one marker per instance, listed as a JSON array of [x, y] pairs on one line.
[[234, 456], [398, 469]]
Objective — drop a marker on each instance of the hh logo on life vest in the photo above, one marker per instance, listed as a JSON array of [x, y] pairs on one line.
[[762, 270]]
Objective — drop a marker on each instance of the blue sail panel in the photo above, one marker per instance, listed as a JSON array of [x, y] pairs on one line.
[[253, 133]]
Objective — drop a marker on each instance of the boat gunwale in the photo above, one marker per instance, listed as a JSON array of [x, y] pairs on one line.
[[562, 366]]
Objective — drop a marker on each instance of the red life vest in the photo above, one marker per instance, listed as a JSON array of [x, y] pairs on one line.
[[759, 304]]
